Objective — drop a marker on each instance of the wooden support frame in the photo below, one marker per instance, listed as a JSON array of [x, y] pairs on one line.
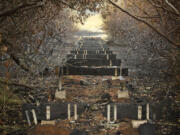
[[101, 71]]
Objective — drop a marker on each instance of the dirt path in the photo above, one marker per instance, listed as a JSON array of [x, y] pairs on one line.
[[96, 93]]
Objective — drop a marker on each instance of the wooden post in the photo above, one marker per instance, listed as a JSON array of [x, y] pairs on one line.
[[60, 82], [115, 113], [108, 113], [121, 70], [147, 111], [48, 112], [27, 117], [34, 117], [75, 112], [110, 63], [107, 56], [60, 78], [139, 112], [69, 112], [116, 74]]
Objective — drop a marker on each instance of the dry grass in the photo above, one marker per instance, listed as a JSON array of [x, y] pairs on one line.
[[48, 130], [127, 129]]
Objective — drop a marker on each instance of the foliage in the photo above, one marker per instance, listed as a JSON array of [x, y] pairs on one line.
[[161, 15], [164, 17], [155, 14], [7, 97], [26, 25]]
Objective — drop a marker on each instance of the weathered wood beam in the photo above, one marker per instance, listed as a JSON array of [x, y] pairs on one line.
[[93, 62], [100, 56], [91, 49], [57, 110], [103, 71], [91, 52]]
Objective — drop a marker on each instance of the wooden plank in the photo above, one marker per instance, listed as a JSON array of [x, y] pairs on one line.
[[94, 44], [91, 52], [93, 47], [85, 46], [100, 56], [90, 49], [57, 110], [124, 110], [130, 110], [92, 71], [93, 62]]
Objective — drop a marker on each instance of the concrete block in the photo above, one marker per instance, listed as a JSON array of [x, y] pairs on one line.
[[123, 94], [60, 94], [45, 122], [121, 78], [137, 123]]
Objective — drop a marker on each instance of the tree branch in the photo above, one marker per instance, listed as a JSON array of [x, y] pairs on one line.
[[146, 23], [140, 8], [14, 57], [18, 62], [67, 4], [21, 85], [16, 84], [148, 17], [157, 6], [172, 7], [21, 6]]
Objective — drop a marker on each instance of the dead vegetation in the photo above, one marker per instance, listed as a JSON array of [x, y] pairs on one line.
[[48, 130]]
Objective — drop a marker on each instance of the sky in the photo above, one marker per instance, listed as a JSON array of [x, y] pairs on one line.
[[93, 23]]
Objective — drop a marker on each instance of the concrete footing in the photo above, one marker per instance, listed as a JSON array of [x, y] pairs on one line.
[[123, 94], [60, 94], [137, 123]]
